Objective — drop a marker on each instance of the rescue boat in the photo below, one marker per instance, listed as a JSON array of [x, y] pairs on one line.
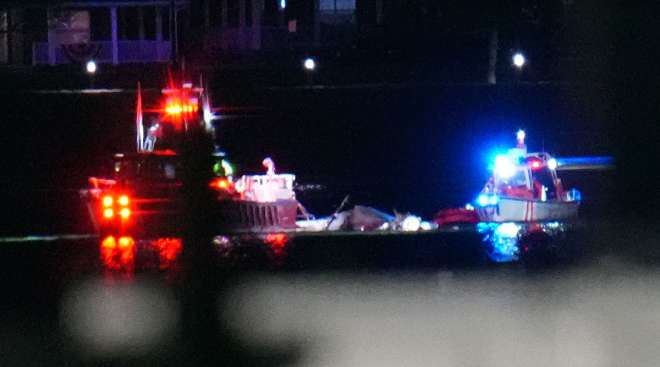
[[525, 187], [142, 190]]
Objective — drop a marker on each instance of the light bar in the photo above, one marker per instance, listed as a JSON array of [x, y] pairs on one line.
[[504, 167]]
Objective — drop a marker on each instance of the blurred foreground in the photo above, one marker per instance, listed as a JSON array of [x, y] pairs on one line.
[[340, 300]]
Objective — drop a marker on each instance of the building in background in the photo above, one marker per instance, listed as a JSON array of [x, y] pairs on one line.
[[249, 25], [141, 31], [63, 32]]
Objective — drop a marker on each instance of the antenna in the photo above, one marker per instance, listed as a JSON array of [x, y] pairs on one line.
[[138, 120]]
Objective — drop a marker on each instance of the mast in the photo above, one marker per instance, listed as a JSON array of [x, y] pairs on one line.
[[139, 127]]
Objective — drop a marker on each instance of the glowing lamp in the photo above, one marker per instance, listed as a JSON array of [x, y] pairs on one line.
[[125, 213], [90, 67], [493, 200], [504, 167], [482, 200], [536, 165], [520, 135], [222, 184], [107, 201], [309, 64], [123, 200], [552, 163], [173, 109], [108, 213], [519, 60]]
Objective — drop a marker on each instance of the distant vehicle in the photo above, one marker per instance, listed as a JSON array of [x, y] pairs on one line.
[[525, 187]]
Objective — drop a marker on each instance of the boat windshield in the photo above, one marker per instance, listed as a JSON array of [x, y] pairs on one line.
[[544, 177], [519, 179], [148, 169]]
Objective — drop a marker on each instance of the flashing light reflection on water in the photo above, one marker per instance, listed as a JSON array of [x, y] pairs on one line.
[[507, 229], [502, 240]]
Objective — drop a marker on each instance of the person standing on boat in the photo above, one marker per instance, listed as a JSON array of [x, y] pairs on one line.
[[270, 166]]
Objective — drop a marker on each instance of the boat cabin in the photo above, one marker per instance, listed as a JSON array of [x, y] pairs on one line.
[[526, 176]]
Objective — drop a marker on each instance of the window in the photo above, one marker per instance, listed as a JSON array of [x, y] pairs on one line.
[[519, 179], [337, 5], [544, 177], [100, 24]]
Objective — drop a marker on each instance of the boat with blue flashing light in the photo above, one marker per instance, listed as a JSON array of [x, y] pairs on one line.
[[525, 187]]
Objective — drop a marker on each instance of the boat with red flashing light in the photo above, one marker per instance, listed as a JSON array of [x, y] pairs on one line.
[[258, 203], [142, 191], [135, 191], [525, 187]]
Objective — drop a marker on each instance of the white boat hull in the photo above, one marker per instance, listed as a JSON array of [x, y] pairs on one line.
[[521, 210]]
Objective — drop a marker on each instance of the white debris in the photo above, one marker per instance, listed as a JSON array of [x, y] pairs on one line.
[[425, 226], [411, 223]]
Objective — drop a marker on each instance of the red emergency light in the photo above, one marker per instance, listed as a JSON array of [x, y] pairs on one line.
[[176, 106], [534, 163], [222, 183], [112, 205]]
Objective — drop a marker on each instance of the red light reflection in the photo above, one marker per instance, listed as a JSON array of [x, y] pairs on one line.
[[118, 254], [277, 243], [168, 249]]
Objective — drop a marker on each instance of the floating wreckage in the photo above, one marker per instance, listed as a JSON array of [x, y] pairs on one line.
[[363, 218]]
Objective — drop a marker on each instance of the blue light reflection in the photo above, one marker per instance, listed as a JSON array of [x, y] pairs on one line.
[[501, 240]]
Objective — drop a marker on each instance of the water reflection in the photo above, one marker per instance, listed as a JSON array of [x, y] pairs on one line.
[[168, 250], [118, 254], [277, 243], [256, 252], [500, 242], [125, 254], [506, 242]]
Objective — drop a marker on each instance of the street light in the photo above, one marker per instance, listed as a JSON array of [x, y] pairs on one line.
[[519, 60], [309, 64], [90, 67]]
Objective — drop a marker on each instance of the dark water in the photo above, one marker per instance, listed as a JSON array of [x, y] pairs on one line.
[[277, 300]]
